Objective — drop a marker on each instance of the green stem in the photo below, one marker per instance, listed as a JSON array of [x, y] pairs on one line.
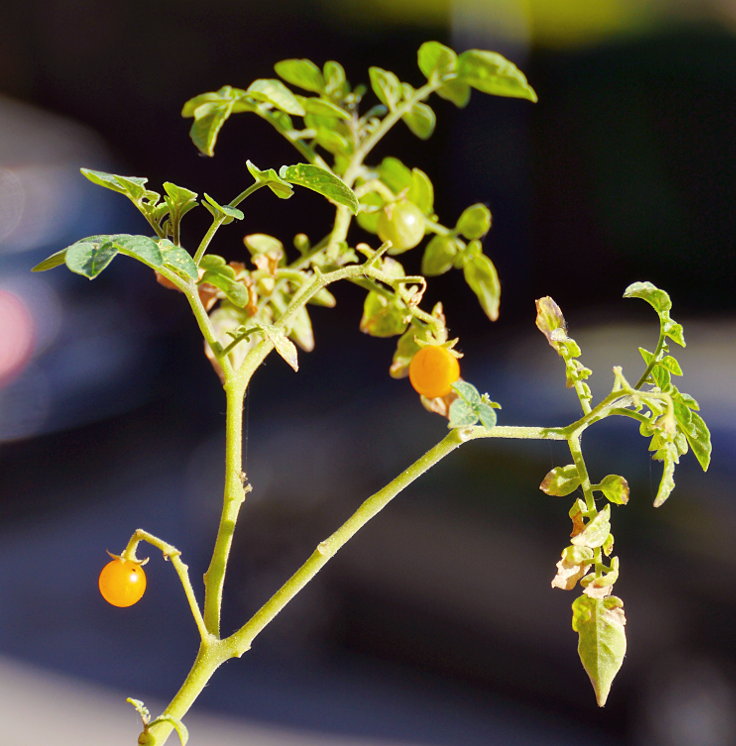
[[234, 496], [660, 344], [172, 554]]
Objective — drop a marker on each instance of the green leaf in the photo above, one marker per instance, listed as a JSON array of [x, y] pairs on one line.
[[667, 482], [224, 211], [600, 623], [218, 273], [302, 73], [435, 59], [698, 436], [474, 222], [671, 364], [470, 407], [208, 121], [421, 191], [336, 85], [421, 120], [482, 278], [561, 481], [615, 488], [394, 174], [55, 260], [658, 299], [492, 73], [457, 91], [322, 108], [179, 198], [89, 258], [369, 213], [596, 530], [661, 377], [142, 248], [439, 255], [133, 187], [271, 179], [274, 92], [673, 331], [383, 316], [262, 243], [177, 259], [386, 86], [321, 181], [301, 330]]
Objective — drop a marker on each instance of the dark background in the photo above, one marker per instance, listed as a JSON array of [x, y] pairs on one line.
[[437, 624]]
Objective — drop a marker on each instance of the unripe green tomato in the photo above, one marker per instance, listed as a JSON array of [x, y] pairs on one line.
[[402, 223]]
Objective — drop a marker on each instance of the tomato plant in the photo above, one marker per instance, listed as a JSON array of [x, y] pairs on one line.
[[245, 310]]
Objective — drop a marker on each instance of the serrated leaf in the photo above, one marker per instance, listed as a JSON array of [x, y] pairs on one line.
[[321, 181], [482, 278], [474, 222], [274, 92], [225, 211], [421, 120], [600, 623], [302, 73], [55, 260], [596, 530], [436, 58], [386, 86], [492, 73], [90, 258], [561, 481], [615, 488]]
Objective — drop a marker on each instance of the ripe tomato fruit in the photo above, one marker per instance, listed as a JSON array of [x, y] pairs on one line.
[[433, 370], [402, 223], [122, 582]]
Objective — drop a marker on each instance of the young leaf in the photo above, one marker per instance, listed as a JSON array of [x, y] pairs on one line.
[[492, 73], [457, 91], [386, 86], [133, 187], [178, 259], [561, 481], [321, 181], [658, 299], [596, 530], [599, 623], [615, 488], [470, 407], [271, 179], [227, 213], [434, 58], [421, 120], [89, 258], [208, 121], [283, 345], [222, 276], [439, 255], [482, 278], [320, 107], [274, 92], [301, 73], [55, 260], [336, 85], [667, 482], [698, 436], [383, 316], [474, 222]]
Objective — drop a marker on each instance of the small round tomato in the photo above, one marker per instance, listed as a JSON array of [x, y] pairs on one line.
[[402, 223], [122, 582], [433, 370]]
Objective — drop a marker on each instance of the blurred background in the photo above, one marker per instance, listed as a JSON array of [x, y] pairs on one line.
[[437, 624]]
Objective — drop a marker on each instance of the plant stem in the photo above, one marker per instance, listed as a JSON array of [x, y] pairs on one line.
[[234, 496]]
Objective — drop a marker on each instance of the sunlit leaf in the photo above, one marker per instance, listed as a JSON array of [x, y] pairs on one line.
[[561, 481], [492, 73], [421, 120], [302, 73], [274, 92], [386, 86], [321, 181]]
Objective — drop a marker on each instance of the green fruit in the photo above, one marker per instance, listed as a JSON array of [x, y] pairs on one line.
[[402, 223]]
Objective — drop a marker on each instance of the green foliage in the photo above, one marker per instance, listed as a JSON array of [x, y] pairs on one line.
[[471, 407]]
